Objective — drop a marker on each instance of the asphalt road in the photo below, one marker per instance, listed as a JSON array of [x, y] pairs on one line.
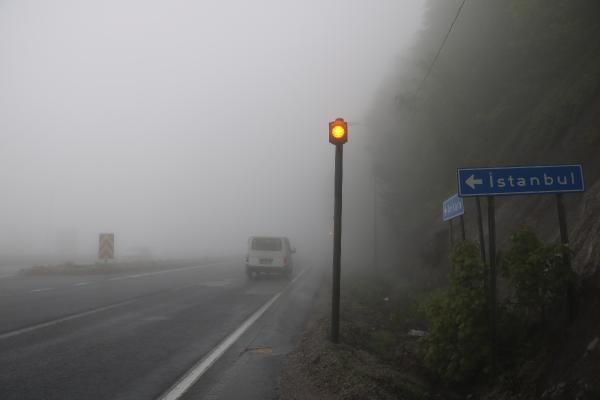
[[192, 333]]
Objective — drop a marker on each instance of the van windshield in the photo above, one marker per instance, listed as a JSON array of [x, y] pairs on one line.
[[269, 244]]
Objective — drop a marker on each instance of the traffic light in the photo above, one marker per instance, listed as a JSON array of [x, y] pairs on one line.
[[338, 131]]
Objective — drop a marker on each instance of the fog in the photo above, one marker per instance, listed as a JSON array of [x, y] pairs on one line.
[[185, 126]]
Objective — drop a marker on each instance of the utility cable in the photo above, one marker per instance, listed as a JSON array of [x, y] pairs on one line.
[[439, 50]]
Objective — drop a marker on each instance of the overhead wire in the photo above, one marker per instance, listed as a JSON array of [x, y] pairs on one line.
[[437, 55]]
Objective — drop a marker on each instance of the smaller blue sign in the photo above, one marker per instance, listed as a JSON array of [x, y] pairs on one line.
[[499, 181], [452, 208]]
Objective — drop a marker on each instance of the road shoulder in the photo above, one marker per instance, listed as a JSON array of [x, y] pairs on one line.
[[251, 368], [319, 369]]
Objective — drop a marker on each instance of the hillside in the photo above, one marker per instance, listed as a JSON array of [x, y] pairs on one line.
[[517, 83]]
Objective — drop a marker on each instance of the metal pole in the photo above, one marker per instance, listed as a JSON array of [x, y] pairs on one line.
[[337, 246], [492, 240], [564, 239], [375, 238], [462, 227], [480, 226], [451, 235]]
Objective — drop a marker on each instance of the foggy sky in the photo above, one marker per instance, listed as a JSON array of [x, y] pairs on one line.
[[185, 126]]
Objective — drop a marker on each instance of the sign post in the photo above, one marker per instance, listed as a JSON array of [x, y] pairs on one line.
[[564, 239], [511, 181], [492, 285], [338, 135], [454, 207], [106, 246], [480, 227]]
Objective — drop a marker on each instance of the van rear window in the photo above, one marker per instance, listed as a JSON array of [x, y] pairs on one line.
[[268, 244]]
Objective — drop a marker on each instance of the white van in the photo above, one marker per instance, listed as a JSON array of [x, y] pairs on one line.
[[269, 255]]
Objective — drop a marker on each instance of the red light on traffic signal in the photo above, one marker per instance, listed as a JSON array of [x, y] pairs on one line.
[[338, 131]]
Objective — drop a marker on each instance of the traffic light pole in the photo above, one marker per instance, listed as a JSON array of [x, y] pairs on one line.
[[375, 228], [337, 245]]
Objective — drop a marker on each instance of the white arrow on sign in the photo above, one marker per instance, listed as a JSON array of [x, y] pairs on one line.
[[471, 181]]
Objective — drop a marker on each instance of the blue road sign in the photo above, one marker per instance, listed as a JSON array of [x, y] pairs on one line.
[[452, 208], [499, 181]]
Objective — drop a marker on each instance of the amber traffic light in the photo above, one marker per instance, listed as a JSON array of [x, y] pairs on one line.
[[338, 131]]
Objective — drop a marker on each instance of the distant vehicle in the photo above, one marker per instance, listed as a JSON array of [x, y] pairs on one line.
[[269, 255]]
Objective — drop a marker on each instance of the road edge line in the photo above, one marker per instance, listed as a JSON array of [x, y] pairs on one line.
[[183, 384]]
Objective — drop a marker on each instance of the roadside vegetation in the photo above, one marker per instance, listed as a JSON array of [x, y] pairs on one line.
[[531, 311], [399, 340]]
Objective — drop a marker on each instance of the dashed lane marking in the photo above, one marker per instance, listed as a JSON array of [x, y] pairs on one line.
[[167, 271], [21, 331], [41, 290], [32, 328]]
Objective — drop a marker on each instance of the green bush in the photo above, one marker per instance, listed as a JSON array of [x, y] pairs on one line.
[[457, 344], [536, 273]]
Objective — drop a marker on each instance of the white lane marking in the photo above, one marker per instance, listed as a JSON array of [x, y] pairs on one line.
[[21, 331], [216, 284], [167, 271], [192, 376], [41, 290], [81, 283]]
